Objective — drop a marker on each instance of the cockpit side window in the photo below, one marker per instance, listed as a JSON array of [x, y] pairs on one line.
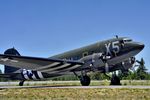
[[127, 40]]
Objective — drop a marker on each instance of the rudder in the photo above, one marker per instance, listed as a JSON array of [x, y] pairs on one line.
[[10, 69]]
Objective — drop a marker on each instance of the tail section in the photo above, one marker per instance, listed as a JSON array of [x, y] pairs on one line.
[[10, 69]]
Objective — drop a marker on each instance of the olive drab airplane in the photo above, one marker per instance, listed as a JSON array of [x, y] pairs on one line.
[[106, 56]]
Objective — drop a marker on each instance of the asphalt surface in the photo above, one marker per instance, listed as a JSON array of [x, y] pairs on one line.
[[13, 85], [79, 87]]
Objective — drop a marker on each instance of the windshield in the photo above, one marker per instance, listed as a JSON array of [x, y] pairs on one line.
[[127, 40]]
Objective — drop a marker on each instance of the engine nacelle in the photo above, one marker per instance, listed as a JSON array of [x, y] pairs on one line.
[[128, 63], [94, 61], [31, 75]]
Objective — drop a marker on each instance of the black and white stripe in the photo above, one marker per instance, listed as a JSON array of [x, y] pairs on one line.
[[54, 68], [57, 66], [62, 68], [31, 75], [49, 66]]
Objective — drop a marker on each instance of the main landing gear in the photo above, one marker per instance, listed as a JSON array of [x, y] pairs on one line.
[[115, 80], [21, 83], [84, 79]]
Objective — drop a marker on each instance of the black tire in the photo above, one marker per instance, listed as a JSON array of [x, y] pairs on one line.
[[85, 80], [115, 80], [21, 83]]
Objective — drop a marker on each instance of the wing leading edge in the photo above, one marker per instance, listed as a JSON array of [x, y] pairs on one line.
[[39, 64]]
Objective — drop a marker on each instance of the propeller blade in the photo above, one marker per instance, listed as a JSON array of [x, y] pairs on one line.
[[106, 68]]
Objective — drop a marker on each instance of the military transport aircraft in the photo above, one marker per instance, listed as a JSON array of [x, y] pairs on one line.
[[106, 56]]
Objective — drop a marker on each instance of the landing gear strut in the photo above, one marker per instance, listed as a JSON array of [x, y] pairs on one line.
[[115, 80], [21, 83], [85, 80]]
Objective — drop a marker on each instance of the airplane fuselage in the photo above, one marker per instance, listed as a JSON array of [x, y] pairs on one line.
[[118, 49]]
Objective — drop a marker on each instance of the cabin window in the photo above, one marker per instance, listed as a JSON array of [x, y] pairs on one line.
[[76, 58], [85, 54], [92, 52]]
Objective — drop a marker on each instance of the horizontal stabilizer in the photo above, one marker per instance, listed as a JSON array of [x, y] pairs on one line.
[[5, 75], [10, 76]]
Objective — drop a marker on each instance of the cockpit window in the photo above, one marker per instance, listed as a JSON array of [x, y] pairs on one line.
[[127, 40]]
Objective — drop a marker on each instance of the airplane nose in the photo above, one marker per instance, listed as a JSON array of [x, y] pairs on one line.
[[140, 46]]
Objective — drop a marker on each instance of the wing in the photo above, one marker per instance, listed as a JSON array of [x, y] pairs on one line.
[[39, 64]]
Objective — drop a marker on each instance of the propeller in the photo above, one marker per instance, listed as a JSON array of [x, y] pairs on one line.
[[140, 62], [122, 43], [133, 62]]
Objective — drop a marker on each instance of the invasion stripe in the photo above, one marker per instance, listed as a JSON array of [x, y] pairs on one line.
[[64, 71], [56, 66], [48, 66], [25, 75], [40, 75], [53, 69], [43, 70], [65, 67], [29, 72], [36, 74], [30, 77], [33, 76], [73, 67]]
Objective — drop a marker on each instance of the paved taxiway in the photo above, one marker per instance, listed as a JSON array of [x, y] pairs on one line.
[[80, 87], [38, 84]]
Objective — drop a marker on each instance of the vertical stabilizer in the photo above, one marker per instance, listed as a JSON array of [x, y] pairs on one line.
[[10, 69]]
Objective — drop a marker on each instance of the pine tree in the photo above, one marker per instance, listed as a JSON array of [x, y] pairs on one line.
[[141, 71]]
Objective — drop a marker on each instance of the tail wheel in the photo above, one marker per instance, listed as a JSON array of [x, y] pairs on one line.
[[85, 80], [21, 83]]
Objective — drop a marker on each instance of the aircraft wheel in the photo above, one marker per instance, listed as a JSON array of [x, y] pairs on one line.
[[21, 83], [85, 80], [115, 80]]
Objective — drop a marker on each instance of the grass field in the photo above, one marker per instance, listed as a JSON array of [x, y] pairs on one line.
[[75, 94]]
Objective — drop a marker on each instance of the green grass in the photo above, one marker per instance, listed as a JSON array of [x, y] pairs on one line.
[[75, 94]]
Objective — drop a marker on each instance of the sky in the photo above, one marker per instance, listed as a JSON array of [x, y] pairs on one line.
[[43, 28]]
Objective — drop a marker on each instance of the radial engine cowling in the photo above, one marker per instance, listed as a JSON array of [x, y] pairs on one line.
[[94, 59], [31, 75], [128, 63]]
